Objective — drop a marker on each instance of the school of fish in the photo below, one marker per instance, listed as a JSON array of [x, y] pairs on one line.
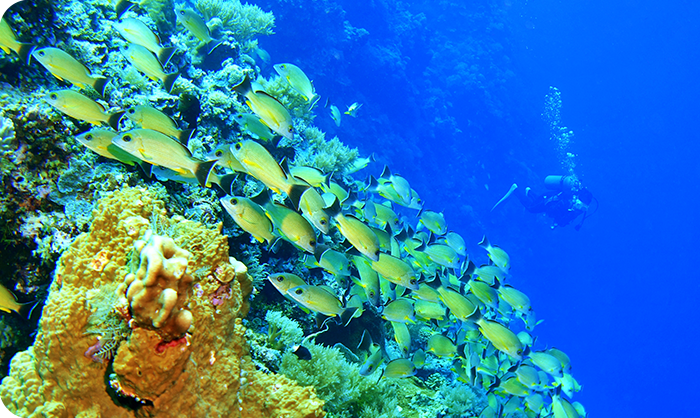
[[410, 273]]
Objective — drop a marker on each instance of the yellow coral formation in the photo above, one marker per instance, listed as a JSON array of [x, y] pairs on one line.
[[206, 373], [159, 288]]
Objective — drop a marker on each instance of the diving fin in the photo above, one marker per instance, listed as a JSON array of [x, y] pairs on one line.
[[512, 189]]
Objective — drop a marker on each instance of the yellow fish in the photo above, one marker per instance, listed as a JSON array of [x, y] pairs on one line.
[[8, 303], [253, 125], [320, 300], [426, 310], [81, 107], [289, 223], [136, 32], [546, 362], [198, 27], [225, 158], [64, 67], [250, 217], [298, 80], [312, 206], [356, 232], [457, 243], [334, 262], [159, 149], [285, 281], [148, 117], [311, 175], [269, 109], [499, 257], [8, 42], [259, 163], [402, 336], [501, 337], [100, 141], [400, 310], [461, 307], [396, 271], [359, 163], [373, 361], [382, 215], [434, 221], [335, 115], [147, 63], [515, 298], [399, 368], [352, 109], [441, 346], [369, 280]]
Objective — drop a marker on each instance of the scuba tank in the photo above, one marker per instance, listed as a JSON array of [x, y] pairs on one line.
[[562, 183]]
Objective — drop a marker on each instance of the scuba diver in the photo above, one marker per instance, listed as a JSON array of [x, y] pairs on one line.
[[569, 201]]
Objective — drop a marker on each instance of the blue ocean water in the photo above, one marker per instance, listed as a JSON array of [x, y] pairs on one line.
[[453, 96]]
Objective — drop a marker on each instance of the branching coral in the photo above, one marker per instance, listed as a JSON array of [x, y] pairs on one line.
[[244, 21], [327, 156]]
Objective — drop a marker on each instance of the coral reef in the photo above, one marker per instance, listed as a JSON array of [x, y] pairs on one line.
[[207, 372]]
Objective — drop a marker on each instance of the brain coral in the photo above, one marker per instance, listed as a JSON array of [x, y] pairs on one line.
[[206, 372]]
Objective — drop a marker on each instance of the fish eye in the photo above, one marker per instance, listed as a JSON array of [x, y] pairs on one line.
[[312, 243], [41, 53], [53, 96], [182, 12], [520, 351], [88, 137], [291, 129], [280, 279], [238, 146], [298, 291], [412, 281], [371, 294], [219, 153], [126, 138], [376, 252], [132, 111], [322, 222], [234, 201], [370, 368]]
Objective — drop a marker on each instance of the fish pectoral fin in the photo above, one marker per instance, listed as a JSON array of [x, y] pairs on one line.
[[57, 77], [5, 49]]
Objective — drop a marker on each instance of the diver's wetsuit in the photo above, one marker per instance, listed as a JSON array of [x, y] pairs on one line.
[[562, 207]]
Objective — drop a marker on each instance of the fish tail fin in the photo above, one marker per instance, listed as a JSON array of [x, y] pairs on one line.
[[169, 81], [243, 87], [25, 52], [26, 309], [295, 192], [226, 182], [485, 243], [185, 135], [122, 7], [468, 267], [113, 120], [372, 184], [211, 46], [347, 315], [313, 101], [146, 168], [373, 157], [334, 209], [263, 198], [100, 84], [165, 54], [203, 171], [386, 173]]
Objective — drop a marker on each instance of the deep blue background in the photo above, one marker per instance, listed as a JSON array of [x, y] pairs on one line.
[[452, 99]]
